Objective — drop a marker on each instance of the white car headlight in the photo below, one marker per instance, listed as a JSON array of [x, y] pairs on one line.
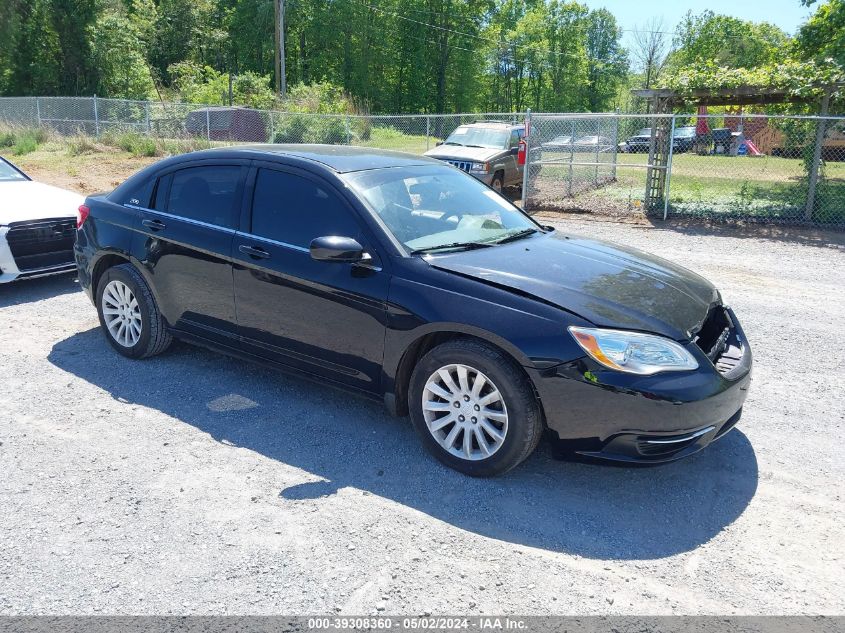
[[480, 168], [633, 352]]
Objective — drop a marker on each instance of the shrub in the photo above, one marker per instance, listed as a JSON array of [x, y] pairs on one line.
[[300, 128], [81, 144], [137, 145], [25, 142]]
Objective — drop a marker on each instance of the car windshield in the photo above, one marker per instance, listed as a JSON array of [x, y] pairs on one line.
[[646, 131], [432, 207], [9, 173], [684, 132], [493, 138]]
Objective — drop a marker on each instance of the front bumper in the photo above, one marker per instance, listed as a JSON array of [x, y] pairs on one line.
[[610, 415], [10, 271]]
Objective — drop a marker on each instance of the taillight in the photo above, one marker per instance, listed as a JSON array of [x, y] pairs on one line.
[[81, 215]]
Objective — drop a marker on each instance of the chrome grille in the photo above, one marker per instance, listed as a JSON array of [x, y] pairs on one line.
[[464, 165]]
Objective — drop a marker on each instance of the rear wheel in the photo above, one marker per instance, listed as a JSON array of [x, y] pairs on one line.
[[129, 315], [473, 408]]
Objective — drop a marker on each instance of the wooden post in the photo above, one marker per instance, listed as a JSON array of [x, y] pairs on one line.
[[813, 176]]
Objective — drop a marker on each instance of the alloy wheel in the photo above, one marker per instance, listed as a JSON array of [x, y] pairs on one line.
[[465, 412], [121, 313]]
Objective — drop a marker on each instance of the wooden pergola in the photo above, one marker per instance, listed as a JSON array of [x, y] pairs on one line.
[[664, 101]]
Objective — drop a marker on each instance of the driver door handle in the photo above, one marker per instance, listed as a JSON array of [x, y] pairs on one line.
[[154, 225], [255, 252]]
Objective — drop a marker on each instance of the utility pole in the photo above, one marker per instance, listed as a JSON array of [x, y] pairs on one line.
[[281, 79]]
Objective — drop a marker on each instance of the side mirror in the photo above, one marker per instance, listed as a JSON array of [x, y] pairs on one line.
[[333, 248], [514, 151]]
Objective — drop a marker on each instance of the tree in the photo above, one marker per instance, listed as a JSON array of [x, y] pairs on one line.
[[608, 61], [649, 50], [726, 41], [118, 55], [823, 36]]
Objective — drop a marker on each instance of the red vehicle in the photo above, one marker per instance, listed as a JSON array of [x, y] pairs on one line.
[[227, 124]]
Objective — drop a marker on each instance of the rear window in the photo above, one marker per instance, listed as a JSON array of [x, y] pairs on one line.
[[208, 194]]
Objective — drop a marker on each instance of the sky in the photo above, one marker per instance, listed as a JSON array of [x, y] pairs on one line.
[[630, 14]]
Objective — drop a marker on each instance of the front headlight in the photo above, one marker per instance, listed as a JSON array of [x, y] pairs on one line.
[[480, 168], [633, 352]]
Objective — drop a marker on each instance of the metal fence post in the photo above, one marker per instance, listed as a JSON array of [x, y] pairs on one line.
[[272, 127], [38, 111], [208, 123], [598, 147], [813, 176], [571, 158], [96, 119], [348, 130], [615, 145], [427, 131], [526, 169], [147, 116], [668, 176]]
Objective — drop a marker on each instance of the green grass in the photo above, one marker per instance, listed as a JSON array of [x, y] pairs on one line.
[[738, 186], [390, 138]]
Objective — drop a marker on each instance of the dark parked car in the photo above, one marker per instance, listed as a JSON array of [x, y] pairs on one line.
[[410, 281], [683, 140]]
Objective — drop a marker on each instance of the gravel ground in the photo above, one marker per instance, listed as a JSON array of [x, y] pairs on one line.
[[196, 484]]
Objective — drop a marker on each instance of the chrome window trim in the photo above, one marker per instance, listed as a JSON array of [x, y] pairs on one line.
[[182, 218], [268, 240]]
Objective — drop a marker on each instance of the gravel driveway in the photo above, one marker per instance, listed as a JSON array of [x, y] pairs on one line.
[[194, 483]]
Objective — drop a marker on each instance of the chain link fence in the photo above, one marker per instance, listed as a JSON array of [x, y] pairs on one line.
[[95, 116], [773, 169]]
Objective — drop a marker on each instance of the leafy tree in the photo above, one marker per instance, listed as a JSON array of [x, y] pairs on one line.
[[607, 60], [726, 41], [823, 36], [118, 55]]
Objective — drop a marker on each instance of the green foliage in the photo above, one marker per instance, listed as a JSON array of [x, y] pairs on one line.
[[823, 36], [726, 41], [136, 144], [28, 140], [203, 84], [117, 50], [302, 128], [800, 78]]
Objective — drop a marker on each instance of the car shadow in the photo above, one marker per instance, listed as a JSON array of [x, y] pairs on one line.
[[32, 290], [590, 510]]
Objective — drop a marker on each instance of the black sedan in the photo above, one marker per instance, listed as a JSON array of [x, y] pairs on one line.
[[409, 281]]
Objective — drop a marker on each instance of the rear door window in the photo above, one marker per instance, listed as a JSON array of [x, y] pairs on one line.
[[207, 194], [294, 210]]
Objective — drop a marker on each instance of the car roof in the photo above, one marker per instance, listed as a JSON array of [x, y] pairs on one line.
[[502, 124], [338, 158]]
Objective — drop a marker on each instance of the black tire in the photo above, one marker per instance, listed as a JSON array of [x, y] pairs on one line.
[[524, 427], [155, 336], [498, 182]]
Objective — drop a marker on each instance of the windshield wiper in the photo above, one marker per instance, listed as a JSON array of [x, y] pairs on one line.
[[517, 236], [464, 245], [453, 143], [478, 146]]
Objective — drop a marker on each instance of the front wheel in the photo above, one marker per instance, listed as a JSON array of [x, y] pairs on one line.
[[498, 183], [474, 408], [129, 315]]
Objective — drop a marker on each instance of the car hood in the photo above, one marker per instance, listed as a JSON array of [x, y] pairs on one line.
[[26, 200], [457, 152], [610, 285]]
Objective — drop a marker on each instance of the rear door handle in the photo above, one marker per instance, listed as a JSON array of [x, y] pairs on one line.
[[254, 251], [154, 225]]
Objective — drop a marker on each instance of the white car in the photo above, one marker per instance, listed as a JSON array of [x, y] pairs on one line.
[[37, 226]]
